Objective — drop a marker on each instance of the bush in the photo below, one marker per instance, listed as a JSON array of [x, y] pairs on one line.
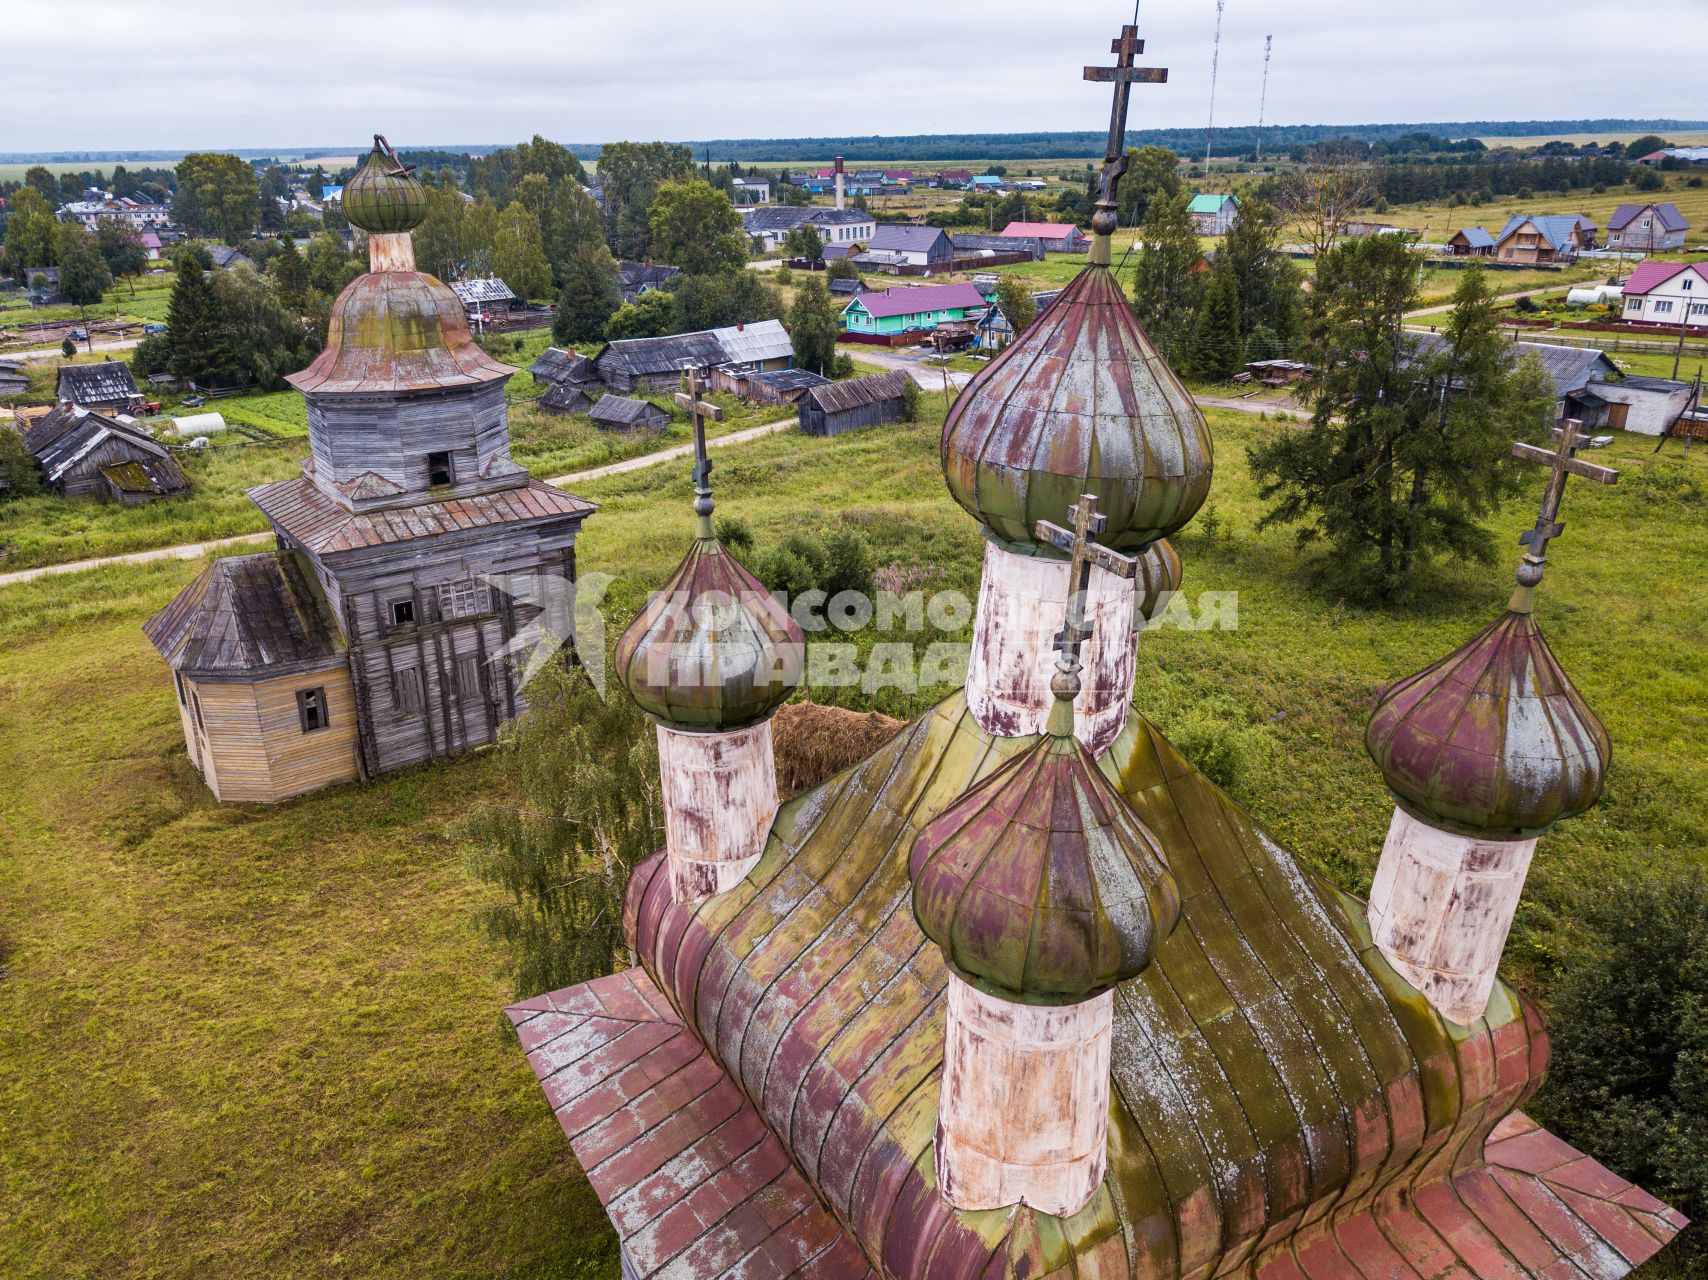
[[1694, 182], [912, 400], [68, 348], [735, 534], [842, 366], [799, 563], [1629, 1080], [152, 355], [1220, 740]]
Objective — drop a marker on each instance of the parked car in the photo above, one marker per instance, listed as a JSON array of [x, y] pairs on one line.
[[150, 330], [80, 335]]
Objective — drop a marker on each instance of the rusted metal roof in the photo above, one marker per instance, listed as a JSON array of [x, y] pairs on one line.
[[1080, 403], [319, 524], [1494, 738], [835, 397], [713, 650], [245, 614], [1282, 1098], [397, 331]]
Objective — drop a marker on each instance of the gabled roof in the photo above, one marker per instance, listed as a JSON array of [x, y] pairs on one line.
[[743, 344], [105, 383], [487, 289], [1569, 368], [902, 238], [755, 343], [1042, 230], [620, 411], [836, 397], [224, 256], [1651, 275], [1003, 243], [558, 365], [318, 524], [1476, 237], [147, 475], [1210, 202], [911, 301], [245, 614], [637, 275], [1670, 218], [565, 397], [61, 439], [789, 379], [1555, 228]]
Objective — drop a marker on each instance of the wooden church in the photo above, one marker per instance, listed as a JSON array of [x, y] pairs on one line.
[[1023, 995], [373, 637]]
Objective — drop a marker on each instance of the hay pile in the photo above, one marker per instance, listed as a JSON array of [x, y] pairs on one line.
[[813, 742]]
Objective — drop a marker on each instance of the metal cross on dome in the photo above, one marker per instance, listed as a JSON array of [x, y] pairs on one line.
[[398, 169], [1123, 75], [695, 378], [1548, 527], [1077, 541]]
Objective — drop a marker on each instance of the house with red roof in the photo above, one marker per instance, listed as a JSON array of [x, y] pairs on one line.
[[1058, 237], [1647, 228], [903, 310], [1669, 293]]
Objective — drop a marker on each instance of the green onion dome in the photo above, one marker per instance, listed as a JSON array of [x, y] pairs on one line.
[[1040, 884], [713, 651], [1079, 403], [1493, 740], [1159, 574], [383, 197]]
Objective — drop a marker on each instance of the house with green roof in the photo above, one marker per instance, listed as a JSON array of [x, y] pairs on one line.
[[1213, 213]]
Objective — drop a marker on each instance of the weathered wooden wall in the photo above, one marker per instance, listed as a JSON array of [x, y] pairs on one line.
[[392, 435], [816, 422], [248, 739]]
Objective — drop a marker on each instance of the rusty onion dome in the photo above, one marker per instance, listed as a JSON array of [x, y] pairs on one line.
[[1159, 573], [380, 201], [713, 650], [1079, 403], [1493, 740], [1040, 884]]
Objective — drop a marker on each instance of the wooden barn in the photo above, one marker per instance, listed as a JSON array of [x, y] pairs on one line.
[[567, 397], [860, 402], [619, 413], [107, 386], [1471, 242], [779, 386], [262, 678], [86, 454], [488, 297], [656, 364], [13, 380]]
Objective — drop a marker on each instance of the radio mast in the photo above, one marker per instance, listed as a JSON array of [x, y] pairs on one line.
[[1263, 102], [1215, 64]]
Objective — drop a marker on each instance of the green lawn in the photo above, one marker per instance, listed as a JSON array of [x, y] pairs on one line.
[[265, 1041], [145, 298]]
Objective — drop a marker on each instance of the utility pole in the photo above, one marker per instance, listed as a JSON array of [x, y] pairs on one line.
[[1683, 328], [1215, 65], [1263, 101]]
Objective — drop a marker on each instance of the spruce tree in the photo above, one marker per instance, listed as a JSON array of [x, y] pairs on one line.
[[1216, 354], [190, 322], [1165, 289], [590, 294], [813, 323]]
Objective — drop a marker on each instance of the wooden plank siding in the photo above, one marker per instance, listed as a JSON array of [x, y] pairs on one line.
[[247, 737]]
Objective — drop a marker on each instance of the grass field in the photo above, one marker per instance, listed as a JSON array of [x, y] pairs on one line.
[[265, 1041], [145, 298]]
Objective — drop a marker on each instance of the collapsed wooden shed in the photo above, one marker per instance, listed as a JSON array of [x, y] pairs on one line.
[[860, 402]]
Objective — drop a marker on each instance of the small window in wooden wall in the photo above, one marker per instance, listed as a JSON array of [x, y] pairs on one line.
[[406, 693], [402, 613], [311, 709], [463, 598], [438, 468], [196, 704]]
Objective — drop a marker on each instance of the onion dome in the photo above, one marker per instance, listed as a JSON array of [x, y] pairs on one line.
[[713, 651], [1493, 740], [383, 197], [1079, 403], [1041, 885], [1159, 574]]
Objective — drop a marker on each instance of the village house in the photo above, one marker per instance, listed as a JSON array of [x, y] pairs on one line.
[[412, 551], [834, 407], [124, 209], [224, 257], [566, 398], [106, 386], [914, 246], [1056, 237], [970, 245], [994, 330], [751, 190], [1212, 213], [1687, 155], [900, 311], [1544, 239], [1647, 228], [1471, 242], [83, 453], [1667, 293], [1647, 406], [774, 386], [486, 299], [952, 179], [636, 278], [656, 364], [619, 413], [770, 224]]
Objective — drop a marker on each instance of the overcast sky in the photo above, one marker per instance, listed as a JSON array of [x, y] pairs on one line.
[[199, 74]]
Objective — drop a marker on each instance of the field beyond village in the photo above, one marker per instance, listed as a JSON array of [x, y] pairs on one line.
[[267, 1041]]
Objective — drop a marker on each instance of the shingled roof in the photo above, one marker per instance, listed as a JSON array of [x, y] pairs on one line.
[[246, 613], [1569, 368], [835, 397], [620, 411], [321, 526], [108, 382], [70, 432]]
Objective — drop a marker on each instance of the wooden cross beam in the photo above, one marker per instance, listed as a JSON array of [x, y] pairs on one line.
[[1123, 75], [1548, 527], [696, 379], [1077, 541]]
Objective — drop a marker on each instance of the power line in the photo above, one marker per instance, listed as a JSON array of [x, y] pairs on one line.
[[1215, 65]]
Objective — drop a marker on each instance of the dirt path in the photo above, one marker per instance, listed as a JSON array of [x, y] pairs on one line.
[[34, 355], [1440, 308], [195, 550]]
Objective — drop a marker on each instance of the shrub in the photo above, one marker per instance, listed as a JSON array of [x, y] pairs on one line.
[[1629, 1080], [842, 366], [842, 561], [68, 348], [152, 355], [1220, 740], [735, 534], [912, 400], [1694, 182]]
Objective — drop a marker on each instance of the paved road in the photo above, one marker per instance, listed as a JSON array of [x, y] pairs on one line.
[[32, 355], [195, 550]]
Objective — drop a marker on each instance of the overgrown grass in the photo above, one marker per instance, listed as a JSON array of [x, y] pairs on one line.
[[263, 1041], [143, 298]]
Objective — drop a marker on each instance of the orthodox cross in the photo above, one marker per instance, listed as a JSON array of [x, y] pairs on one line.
[[398, 168], [1077, 541], [1562, 462], [1123, 75], [694, 378]]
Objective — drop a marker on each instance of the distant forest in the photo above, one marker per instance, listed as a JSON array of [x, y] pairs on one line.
[[1232, 141]]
